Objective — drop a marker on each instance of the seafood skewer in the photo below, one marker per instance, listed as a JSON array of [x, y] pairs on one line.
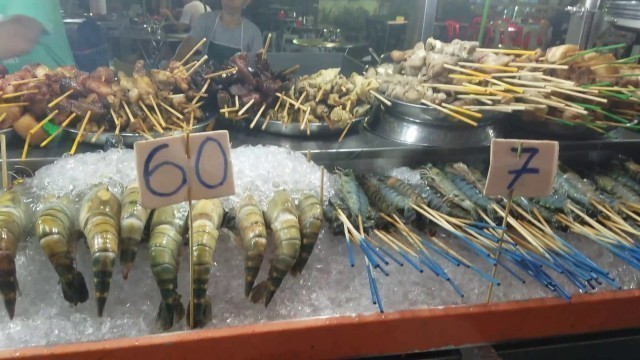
[[387, 199], [282, 217], [436, 178], [356, 200], [100, 222], [253, 232], [168, 227], [310, 220], [56, 231], [132, 222], [620, 191], [12, 221], [331, 214], [207, 218]]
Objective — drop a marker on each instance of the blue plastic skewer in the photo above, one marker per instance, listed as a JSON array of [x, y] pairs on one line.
[[350, 253], [374, 251], [512, 272], [411, 262], [455, 288], [487, 226], [390, 256], [375, 289], [368, 255], [370, 277]]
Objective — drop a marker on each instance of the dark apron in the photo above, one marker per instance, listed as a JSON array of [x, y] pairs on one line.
[[221, 53]]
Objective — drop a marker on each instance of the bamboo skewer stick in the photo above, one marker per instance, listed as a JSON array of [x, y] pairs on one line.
[[20, 93], [516, 74], [266, 47], [97, 135], [43, 122], [540, 65], [466, 71], [14, 104], [255, 120], [577, 94], [221, 73], [202, 92], [506, 86], [464, 111], [507, 51], [170, 109], [195, 48], [59, 130], [155, 107], [488, 66], [60, 98], [26, 81], [197, 65], [266, 121], [3, 153], [306, 119], [153, 119], [451, 113], [246, 107], [84, 123], [26, 147], [344, 132]]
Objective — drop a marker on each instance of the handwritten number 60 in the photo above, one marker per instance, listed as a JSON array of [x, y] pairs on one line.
[[225, 165], [148, 172]]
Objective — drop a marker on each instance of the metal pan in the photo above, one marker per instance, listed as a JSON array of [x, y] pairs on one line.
[[128, 139], [293, 129]]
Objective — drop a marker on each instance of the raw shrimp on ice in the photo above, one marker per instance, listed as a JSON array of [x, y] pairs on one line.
[[310, 220], [207, 218], [282, 217], [12, 221], [132, 222], [100, 221], [55, 229], [168, 227], [253, 232]]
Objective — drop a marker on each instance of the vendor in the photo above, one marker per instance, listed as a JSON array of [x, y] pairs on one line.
[[190, 13], [32, 31], [227, 33]]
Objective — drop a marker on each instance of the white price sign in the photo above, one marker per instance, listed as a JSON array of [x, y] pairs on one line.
[[167, 173], [522, 168]]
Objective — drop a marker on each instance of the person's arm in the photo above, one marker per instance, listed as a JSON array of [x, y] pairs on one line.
[[18, 35]]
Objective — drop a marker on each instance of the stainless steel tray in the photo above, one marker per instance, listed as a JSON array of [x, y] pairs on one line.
[[128, 139], [293, 129]]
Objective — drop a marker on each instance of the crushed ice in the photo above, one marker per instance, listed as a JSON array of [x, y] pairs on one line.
[[327, 287]]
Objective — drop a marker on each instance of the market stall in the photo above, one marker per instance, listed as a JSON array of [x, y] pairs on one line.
[[359, 224]]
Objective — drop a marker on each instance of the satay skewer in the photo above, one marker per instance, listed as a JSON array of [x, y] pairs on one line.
[[539, 65], [255, 120], [43, 122], [97, 135], [246, 107], [266, 121], [488, 66], [14, 104], [200, 62], [221, 73], [506, 51], [155, 107], [26, 81], [170, 109], [266, 46], [153, 119], [380, 97], [202, 92], [449, 112]]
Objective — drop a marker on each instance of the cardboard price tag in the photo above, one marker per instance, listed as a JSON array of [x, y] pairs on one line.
[[168, 175], [531, 174]]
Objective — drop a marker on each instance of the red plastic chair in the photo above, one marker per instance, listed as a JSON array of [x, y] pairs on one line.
[[473, 32], [453, 29]]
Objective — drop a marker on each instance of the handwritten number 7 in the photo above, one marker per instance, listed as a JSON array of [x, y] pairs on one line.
[[525, 169], [148, 171]]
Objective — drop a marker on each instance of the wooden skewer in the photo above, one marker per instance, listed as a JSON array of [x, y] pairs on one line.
[[153, 119], [306, 119], [221, 73], [14, 104], [380, 97], [59, 130], [3, 153], [507, 51], [345, 131], [451, 113], [577, 94], [170, 109], [299, 102], [155, 107], [466, 71], [479, 97], [544, 101], [4, 115], [291, 101], [553, 79], [126, 108], [517, 74], [528, 83], [202, 92], [320, 94], [144, 127], [43, 122], [195, 48], [97, 135], [84, 123], [200, 62], [191, 120], [255, 120], [488, 66], [20, 93], [147, 136], [190, 64], [246, 107], [266, 46], [540, 65], [465, 77], [227, 110], [26, 81], [60, 98], [26, 146], [507, 86], [464, 111], [488, 90], [266, 121]]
